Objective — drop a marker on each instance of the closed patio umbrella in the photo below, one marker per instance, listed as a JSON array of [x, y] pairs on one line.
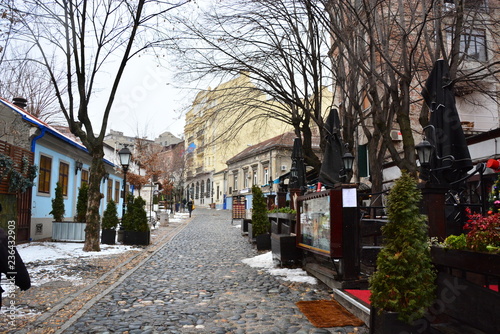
[[298, 169], [331, 166], [452, 159]]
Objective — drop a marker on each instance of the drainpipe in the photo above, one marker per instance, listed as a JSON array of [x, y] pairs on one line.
[[33, 142]]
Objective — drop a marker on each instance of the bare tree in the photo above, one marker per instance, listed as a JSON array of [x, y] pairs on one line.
[[279, 46], [23, 78], [88, 38], [384, 51]]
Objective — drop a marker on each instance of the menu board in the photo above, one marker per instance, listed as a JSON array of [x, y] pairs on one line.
[[315, 224]]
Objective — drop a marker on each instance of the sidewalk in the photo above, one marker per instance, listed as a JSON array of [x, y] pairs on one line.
[[46, 306]]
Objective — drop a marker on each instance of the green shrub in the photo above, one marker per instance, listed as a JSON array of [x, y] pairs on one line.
[[58, 204], [404, 280], [135, 218], [260, 221], [110, 217], [82, 203], [456, 242]]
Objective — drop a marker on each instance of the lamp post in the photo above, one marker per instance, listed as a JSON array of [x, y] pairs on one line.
[[348, 162], [125, 156], [172, 194]]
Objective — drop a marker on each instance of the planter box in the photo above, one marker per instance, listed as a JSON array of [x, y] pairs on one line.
[[68, 231], [263, 241], [108, 236], [481, 263], [282, 223], [388, 322], [136, 238], [283, 248], [462, 285]]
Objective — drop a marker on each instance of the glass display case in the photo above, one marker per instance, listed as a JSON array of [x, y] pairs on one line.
[[319, 223]]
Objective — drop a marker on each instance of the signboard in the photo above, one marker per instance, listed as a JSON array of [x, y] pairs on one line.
[[320, 223]]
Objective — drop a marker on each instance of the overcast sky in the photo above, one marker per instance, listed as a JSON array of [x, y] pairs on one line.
[[149, 100]]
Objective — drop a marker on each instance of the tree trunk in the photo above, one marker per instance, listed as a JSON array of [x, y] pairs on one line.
[[92, 240]]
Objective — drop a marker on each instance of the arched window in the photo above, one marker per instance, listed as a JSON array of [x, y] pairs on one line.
[[202, 190], [208, 189], [197, 193]]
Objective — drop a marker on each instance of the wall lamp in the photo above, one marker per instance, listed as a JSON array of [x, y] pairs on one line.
[[78, 166], [105, 177]]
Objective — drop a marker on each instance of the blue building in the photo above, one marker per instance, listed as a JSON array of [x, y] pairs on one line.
[[60, 158]]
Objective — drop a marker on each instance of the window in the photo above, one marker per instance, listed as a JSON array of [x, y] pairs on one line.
[[64, 177], [208, 189], [266, 176], [85, 176], [246, 178], [235, 181], [110, 191], [473, 44], [254, 177], [117, 191], [44, 175]]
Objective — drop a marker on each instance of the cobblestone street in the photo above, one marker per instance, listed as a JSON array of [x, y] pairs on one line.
[[196, 282]]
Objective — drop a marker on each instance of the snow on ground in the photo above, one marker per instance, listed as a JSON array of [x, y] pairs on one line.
[[46, 251], [265, 261]]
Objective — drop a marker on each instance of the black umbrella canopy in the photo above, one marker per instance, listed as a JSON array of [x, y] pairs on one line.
[[298, 169], [332, 164], [445, 132]]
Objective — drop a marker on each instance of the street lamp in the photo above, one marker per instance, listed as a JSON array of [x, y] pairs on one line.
[[348, 161], [424, 152], [125, 156]]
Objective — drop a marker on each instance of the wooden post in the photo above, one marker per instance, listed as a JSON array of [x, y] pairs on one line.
[[433, 205], [281, 199]]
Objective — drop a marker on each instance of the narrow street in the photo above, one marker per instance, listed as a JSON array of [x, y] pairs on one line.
[[197, 283]]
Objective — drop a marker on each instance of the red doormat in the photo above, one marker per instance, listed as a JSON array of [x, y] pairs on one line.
[[327, 313], [363, 295]]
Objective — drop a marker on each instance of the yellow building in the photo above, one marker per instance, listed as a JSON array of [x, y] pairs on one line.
[[221, 123]]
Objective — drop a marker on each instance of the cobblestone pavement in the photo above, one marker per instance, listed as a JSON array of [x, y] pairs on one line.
[[197, 283], [45, 307]]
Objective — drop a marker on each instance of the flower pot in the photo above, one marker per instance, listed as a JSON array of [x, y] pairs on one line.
[[108, 236], [136, 238], [387, 322], [263, 241]]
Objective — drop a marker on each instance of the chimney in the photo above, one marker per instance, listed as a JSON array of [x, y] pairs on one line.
[[21, 102]]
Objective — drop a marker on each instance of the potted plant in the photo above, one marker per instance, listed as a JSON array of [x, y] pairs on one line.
[[135, 223], [82, 203], [403, 286], [109, 223], [58, 204], [260, 222]]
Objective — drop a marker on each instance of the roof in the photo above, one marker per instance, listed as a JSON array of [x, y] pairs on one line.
[[283, 141], [48, 128]]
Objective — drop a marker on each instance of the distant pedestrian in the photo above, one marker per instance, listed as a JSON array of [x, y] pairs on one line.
[[183, 205], [11, 263], [190, 207]]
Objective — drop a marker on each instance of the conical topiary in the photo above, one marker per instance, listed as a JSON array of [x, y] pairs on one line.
[[110, 218], [82, 203], [58, 204], [260, 221], [135, 218], [405, 280]]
